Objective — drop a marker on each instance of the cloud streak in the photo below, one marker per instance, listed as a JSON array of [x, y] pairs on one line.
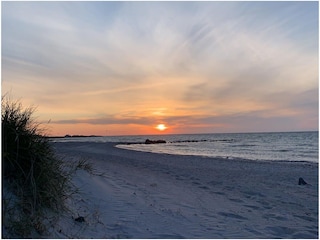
[[79, 60]]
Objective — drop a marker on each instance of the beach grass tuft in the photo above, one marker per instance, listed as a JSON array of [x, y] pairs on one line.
[[35, 176], [84, 165]]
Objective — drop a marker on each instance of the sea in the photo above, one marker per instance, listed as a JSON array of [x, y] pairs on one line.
[[276, 146]]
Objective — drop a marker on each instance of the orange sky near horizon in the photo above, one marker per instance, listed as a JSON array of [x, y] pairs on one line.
[[122, 68]]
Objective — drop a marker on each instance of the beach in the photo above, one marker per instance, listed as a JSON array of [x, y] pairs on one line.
[[131, 194]]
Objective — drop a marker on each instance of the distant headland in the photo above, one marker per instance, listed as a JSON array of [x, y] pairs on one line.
[[73, 136]]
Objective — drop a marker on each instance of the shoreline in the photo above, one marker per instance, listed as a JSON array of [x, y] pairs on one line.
[[215, 157], [152, 195], [270, 147], [112, 149]]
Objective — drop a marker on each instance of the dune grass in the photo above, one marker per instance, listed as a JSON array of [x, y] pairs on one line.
[[37, 180]]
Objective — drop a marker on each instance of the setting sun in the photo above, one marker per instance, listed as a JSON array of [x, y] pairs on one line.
[[161, 127]]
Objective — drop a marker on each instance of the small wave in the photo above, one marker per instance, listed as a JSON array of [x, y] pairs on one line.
[[282, 150], [203, 140], [176, 145], [244, 145]]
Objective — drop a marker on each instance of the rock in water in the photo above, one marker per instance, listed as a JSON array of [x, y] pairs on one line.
[[302, 182]]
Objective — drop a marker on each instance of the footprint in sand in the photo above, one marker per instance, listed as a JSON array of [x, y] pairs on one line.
[[219, 193], [252, 207], [170, 236], [280, 231], [214, 183], [307, 218], [232, 215], [179, 177], [196, 183], [274, 216], [204, 187], [193, 178], [236, 200]]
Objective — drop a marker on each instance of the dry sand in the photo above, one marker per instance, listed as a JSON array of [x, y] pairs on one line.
[[147, 195]]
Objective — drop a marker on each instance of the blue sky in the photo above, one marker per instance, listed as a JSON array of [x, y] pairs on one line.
[[124, 67]]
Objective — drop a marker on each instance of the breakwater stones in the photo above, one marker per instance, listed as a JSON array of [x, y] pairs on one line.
[[148, 141], [204, 140]]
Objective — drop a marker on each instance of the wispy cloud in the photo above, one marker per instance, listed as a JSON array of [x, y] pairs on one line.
[[82, 60]]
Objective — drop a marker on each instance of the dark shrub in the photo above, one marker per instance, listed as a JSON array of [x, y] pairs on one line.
[[29, 165]]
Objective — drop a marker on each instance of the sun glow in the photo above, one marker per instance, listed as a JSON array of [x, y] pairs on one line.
[[161, 127]]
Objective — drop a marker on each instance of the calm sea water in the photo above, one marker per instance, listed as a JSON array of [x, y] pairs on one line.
[[288, 146]]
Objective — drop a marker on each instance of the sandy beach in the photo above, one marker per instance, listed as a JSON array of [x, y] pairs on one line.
[[146, 195]]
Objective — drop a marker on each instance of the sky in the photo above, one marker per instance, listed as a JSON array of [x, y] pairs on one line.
[[122, 68]]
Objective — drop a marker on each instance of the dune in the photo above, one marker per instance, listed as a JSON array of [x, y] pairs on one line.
[[134, 194]]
